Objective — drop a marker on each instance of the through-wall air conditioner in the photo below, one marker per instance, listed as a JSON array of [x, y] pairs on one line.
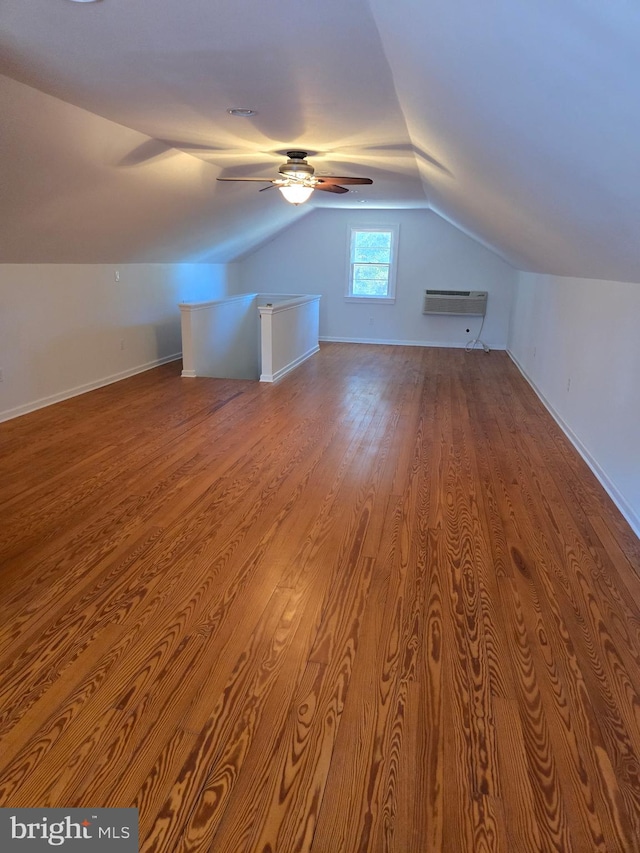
[[455, 302]]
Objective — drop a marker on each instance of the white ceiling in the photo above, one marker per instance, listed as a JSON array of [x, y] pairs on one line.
[[520, 123]]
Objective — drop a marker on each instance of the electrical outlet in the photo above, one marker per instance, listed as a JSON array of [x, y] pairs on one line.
[[1, 375], [117, 275], [568, 383]]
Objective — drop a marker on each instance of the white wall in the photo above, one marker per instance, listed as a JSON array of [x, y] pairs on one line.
[[67, 328], [221, 338], [312, 255], [288, 334], [577, 341]]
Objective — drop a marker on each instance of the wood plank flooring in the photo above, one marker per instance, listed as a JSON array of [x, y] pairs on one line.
[[380, 606]]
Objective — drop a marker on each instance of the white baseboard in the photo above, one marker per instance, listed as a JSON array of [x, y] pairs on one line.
[[601, 475], [83, 389], [449, 345], [273, 377]]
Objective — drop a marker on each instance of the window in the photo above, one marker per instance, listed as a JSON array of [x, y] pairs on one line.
[[372, 264]]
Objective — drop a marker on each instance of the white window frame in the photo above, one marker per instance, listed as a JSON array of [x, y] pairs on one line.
[[390, 298]]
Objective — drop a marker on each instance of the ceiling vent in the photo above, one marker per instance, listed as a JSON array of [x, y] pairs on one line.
[[455, 302]]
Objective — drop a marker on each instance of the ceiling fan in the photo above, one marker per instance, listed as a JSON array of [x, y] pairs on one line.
[[297, 179]]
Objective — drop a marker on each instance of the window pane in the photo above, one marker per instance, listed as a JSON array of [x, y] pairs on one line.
[[370, 279], [364, 239], [379, 272], [371, 247], [372, 255], [370, 288]]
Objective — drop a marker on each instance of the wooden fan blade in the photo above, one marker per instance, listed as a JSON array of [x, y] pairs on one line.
[[331, 179], [262, 180], [330, 188]]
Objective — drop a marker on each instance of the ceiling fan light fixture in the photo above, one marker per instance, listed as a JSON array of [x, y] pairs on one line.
[[296, 193], [297, 181]]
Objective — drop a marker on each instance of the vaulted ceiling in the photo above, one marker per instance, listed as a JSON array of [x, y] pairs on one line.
[[517, 122]]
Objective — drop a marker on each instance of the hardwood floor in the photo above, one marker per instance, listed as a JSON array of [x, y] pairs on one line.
[[380, 606]]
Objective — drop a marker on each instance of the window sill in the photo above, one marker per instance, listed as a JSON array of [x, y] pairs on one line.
[[388, 300]]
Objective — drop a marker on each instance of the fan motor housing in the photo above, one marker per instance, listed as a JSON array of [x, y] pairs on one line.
[[296, 166]]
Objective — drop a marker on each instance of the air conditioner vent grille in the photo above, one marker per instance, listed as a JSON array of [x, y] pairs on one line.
[[448, 292], [470, 302]]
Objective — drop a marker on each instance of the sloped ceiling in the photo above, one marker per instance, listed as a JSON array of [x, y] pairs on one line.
[[519, 123]]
